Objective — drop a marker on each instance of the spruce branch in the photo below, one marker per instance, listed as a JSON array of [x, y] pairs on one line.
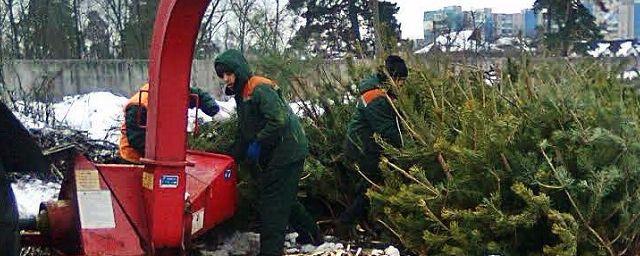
[[405, 123], [378, 187], [574, 205], [445, 166], [427, 185], [391, 230]]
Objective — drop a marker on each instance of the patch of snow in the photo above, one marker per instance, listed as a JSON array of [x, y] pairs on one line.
[[291, 237], [630, 75], [30, 192], [307, 248], [460, 41], [452, 42], [292, 250], [328, 247], [606, 49], [392, 251], [506, 41], [377, 252], [98, 113], [602, 50], [238, 244], [300, 107], [626, 49], [515, 42], [28, 122]]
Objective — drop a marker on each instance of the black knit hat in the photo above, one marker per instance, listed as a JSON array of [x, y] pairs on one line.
[[396, 67]]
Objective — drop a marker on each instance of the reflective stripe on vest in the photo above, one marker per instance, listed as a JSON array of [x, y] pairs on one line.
[[126, 151], [370, 95], [253, 82]]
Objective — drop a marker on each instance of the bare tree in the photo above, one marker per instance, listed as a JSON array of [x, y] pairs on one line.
[[242, 11], [13, 25], [276, 34], [377, 26], [213, 21], [2, 55], [116, 14], [271, 28], [78, 29]]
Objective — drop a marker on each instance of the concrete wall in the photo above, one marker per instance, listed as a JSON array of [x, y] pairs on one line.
[[123, 77], [69, 77]]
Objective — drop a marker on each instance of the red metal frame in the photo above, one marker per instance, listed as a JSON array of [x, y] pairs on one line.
[[174, 35], [138, 112]]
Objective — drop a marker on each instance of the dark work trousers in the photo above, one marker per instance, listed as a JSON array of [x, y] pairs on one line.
[[9, 232], [369, 166], [278, 205]]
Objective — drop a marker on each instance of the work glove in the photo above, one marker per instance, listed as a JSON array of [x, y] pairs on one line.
[[253, 151]]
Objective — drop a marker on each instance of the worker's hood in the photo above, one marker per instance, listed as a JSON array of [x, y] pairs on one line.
[[234, 60], [369, 83]]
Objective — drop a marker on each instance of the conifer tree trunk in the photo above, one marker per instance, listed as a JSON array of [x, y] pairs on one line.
[[78, 30], [355, 26], [377, 28], [15, 48]]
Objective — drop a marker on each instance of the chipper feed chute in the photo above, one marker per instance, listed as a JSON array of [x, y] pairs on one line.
[[158, 207]]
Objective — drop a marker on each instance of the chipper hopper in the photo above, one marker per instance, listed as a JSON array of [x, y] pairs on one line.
[[174, 196]]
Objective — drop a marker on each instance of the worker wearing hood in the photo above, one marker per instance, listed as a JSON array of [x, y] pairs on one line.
[[133, 130], [269, 137]]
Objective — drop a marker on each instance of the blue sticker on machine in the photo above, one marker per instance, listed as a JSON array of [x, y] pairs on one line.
[[227, 174], [169, 181]]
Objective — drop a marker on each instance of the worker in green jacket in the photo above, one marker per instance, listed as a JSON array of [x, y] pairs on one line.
[[374, 115], [19, 152], [133, 132], [271, 139]]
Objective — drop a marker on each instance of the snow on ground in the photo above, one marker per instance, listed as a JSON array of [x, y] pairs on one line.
[[602, 49], [630, 75], [627, 49], [30, 192], [98, 113], [248, 243], [503, 41], [29, 122]]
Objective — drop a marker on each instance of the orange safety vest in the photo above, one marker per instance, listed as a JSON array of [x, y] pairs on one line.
[[126, 151], [370, 95], [253, 82]]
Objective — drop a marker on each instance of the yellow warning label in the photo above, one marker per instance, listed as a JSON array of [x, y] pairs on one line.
[[87, 180], [147, 180]]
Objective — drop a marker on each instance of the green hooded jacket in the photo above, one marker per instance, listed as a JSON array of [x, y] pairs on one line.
[[378, 117], [265, 117], [136, 135]]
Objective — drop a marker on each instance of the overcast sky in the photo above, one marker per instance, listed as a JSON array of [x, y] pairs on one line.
[[412, 11]]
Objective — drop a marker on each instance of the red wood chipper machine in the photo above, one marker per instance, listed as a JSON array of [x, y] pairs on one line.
[[176, 195]]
